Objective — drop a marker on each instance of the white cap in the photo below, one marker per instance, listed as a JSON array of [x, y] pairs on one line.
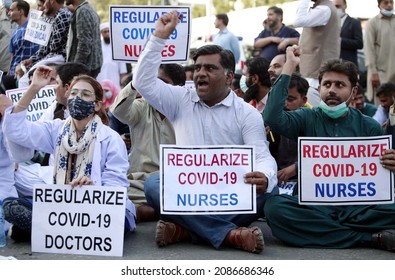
[[104, 25]]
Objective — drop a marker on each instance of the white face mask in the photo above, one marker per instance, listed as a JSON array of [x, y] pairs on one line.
[[243, 85], [387, 13], [340, 12]]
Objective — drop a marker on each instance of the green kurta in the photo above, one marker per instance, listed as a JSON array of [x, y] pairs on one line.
[[321, 226]]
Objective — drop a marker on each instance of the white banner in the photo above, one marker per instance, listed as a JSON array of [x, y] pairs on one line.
[[39, 104], [131, 26], [38, 28], [206, 180], [344, 171], [87, 220]]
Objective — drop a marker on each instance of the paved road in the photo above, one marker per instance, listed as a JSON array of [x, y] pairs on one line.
[[141, 246]]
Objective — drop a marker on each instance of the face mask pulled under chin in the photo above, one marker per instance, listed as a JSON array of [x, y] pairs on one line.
[[386, 12], [337, 111]]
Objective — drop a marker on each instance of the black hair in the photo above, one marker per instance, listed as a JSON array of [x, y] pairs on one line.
[[340, 66], [227, 59], [259, 66], [300, 83], [224, 18], [23, 5], [175, 72], [276, 10], [386, 89], [67, 71]]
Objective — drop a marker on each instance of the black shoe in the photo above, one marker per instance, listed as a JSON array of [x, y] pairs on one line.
[[385, 239], [19, 235]]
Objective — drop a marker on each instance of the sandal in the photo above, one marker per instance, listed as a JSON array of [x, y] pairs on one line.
[[247, 239], [168, 233]]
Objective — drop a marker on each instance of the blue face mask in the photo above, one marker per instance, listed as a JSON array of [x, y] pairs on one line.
[[79, 108], [337, 111], [386, 12], [108, 94]]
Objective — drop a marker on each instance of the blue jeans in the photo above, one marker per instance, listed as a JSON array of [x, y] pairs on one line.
[[210, 228]]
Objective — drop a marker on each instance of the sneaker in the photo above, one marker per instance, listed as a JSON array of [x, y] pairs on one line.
[[18, 211]]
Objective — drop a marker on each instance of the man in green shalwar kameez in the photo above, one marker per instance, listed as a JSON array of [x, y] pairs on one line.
[[327, 226]]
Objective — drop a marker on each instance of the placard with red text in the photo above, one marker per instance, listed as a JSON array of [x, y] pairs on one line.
[[131, 26], [344, 171], [206, 180]]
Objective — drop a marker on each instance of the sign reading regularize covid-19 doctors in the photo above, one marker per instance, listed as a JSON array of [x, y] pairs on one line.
[[206, 180], [131, 26], [344, 171]]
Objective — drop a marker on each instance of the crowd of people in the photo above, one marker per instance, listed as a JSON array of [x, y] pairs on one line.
[[106, 124]]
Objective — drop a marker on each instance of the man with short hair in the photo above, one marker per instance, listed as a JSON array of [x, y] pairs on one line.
[[379, 48], [6, 28], [258, 82], [83, 44], [385, 94], [359, 102], [19, 47], [274, 39], [350, 34], [55, 50], [224, 37], [325, 226], [211, 115]]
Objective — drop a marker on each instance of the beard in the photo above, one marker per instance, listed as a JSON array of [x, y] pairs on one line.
[[251, 93], [106, 40]]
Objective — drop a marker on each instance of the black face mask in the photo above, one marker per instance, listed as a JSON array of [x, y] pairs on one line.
[[80, 109], [251, 93]]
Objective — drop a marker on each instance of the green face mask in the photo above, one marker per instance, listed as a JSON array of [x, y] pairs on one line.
[[337, 111]]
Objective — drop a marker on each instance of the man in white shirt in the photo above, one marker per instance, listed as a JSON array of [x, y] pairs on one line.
[[320, 39], [110, 70], [211, 115]]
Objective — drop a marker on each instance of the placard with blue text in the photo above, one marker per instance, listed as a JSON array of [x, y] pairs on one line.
[[344, 171], [131, 26], [206, 180], [87, 220]]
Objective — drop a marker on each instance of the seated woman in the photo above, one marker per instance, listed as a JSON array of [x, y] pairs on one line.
[[86, 150]]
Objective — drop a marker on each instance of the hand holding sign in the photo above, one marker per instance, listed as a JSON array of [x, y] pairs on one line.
[[387, 159], [81, 181], [257, 178], [166, 24]]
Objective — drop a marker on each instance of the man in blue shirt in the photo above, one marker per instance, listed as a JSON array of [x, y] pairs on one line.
[[225, 38], [19, 47], [276, 37]]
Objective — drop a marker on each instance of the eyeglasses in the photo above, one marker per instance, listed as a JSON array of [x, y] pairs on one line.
[[84, 93]]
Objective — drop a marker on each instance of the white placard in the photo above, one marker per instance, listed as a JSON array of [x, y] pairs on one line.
[[344, 171], [87, 220], [286, 188], [206, 180], [38, 28], [131, 26], [39, 104]]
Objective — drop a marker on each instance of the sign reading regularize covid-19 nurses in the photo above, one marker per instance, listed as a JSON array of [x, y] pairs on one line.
[[206, 180], [131, 26], [344, 171]]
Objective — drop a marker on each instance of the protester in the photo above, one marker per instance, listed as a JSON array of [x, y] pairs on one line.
[[359, 102], [110, 70], [96, 155], [110, 93], [320, 39], [6, 28], [149, 128], [55, 50], [276, 36], [350, 34], [83, 44], [224, 37], [211, 115], [328, 226], [385, 94], [379, 48], [19, 47]]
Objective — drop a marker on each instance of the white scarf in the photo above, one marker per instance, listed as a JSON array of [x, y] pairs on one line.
[[83, 148]]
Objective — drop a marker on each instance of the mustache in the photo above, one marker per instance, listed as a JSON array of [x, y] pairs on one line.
[[332, 98]]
